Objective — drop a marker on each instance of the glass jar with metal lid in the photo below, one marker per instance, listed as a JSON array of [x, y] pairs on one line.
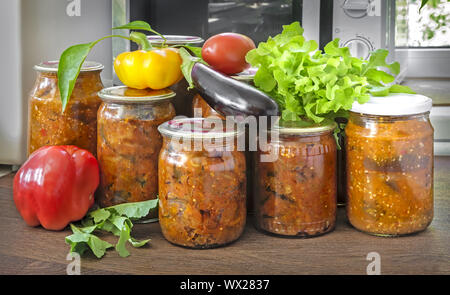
[[183, 98], [129, 143], [48, 125], [295, 182], [202, 183], [389, 144]]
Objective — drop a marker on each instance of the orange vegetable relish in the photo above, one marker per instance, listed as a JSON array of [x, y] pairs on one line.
[[295, 195], [202, 192], [129, 143], [78, 124], [389, 173]]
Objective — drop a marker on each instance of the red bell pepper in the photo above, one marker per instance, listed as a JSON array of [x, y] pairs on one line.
[[56, 186]]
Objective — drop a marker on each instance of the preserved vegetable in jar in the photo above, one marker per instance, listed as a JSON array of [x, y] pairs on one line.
[[47, 125], [390, 165], [295, 193], [129, 143], [202, 184]]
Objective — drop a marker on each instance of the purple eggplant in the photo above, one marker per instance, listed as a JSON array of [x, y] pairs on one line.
[[230, 97]]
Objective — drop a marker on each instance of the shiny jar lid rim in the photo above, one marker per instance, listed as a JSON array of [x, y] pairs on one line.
[[394, 104], [326, 126], [175, 39], [51, 66], [166, 129], [246, 75], [107, 95]]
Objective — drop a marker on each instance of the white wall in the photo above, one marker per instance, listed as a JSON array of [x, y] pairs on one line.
[[34, 31]]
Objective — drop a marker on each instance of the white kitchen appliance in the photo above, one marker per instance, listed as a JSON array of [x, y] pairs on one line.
[[34, 31], [361, 25], [367, 25]]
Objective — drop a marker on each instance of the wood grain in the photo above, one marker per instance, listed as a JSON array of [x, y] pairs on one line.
[[26, 250]]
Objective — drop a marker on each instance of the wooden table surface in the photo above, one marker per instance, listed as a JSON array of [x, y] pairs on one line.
[[26, 250]]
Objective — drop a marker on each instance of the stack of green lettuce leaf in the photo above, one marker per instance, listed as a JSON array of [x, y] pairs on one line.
[[312, 85]]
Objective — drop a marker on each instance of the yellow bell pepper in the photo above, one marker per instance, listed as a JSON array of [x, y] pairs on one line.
[[157, 68]]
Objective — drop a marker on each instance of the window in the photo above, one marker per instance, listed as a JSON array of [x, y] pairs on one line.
[[425, 36], [427, 28]]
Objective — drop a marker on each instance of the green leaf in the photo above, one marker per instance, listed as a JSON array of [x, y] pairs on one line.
[[380, 90], [135, 25], [70, 63], [401, 89], [99, 215], [134, 210], [424, 2], [123, 238], [140, 25], [136, 243], [378, 59], [114, 219], [69, 67], [379, 76], [197, 51], [80, 241], [120, 221], [141, 40], [187, 65], [85, 229], [98, 246], [265, 80], [110, 227]]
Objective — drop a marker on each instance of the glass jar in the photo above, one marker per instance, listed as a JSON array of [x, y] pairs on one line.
[[129, 143], [390, 165], [295, 192], [202, 184], [183, 98], [47, 125]]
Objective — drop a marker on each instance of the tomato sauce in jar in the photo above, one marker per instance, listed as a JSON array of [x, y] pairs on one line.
[[129, 143], [295, 190], [202, 184], [389, 144], [48, 125]]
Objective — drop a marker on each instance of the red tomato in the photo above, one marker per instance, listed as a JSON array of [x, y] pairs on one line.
[[226, 52]]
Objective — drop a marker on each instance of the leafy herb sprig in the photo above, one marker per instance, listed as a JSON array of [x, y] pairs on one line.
[[432, 3], [313, 85], [72, 59], [116, 220]]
